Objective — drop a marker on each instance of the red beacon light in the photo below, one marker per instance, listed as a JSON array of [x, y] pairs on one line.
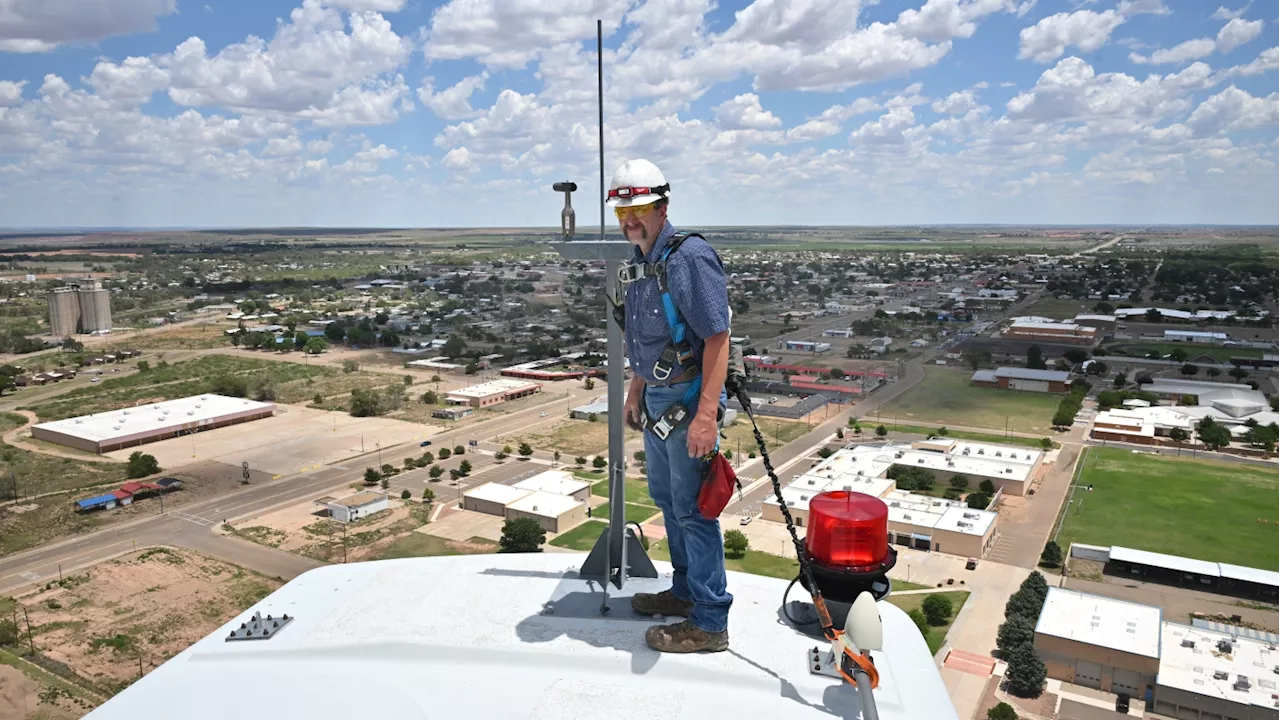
[[848, 545]]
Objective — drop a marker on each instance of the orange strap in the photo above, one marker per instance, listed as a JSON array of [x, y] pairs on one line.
[[862, 661]]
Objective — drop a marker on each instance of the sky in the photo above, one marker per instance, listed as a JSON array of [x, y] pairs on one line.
[[408, 113]]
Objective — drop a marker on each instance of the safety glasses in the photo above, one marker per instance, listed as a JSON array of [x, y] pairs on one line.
[[635, 211]]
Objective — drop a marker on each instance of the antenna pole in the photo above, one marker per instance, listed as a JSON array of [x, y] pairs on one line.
[[600, 107]]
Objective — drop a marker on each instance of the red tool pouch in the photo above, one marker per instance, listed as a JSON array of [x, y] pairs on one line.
[[717, 487]]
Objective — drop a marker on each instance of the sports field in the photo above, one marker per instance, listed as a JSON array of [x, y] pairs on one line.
[[945, 397], [1215, 511]]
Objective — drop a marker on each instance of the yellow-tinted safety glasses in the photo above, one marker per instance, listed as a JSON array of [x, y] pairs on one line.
[[633, 211]]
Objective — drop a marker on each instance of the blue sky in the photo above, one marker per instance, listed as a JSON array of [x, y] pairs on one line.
[[462, 113]]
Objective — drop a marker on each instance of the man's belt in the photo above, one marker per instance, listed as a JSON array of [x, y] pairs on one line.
[[685, 376]]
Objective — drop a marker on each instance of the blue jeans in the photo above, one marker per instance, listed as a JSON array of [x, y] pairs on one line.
[[697, 548]]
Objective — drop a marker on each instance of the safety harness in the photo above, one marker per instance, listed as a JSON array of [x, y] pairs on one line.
[[677, 357]]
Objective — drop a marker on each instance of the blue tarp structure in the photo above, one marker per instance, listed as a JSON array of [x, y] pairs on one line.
[[95, 501]]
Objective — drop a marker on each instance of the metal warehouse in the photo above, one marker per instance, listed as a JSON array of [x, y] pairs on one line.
[[130, 427]]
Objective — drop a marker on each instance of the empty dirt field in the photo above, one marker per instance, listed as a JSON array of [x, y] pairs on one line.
[[306, 529], [137, 610], [294, 440]]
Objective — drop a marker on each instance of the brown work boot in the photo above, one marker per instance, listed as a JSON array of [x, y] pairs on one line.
[[685, 637], [663, 603]]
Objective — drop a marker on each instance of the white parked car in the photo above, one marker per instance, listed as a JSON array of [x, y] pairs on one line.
[[542, 414], [746, 520]]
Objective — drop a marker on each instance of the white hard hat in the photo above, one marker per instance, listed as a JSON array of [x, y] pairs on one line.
[[637, 182]]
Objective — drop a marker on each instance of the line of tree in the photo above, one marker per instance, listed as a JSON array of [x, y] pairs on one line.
[[1026, 673], [1070, 405]]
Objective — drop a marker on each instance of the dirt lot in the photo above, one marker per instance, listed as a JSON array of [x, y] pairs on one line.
[[197, 336], [306, 529], [293, 440], [419, 412], [144, 607], [37, 522], [571, 437]]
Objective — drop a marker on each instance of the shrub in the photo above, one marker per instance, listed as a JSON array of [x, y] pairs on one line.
[[1003, 711], [735, 544], [937, 609], [405, 494]]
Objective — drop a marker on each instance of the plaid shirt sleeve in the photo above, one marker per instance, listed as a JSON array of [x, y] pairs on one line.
[[698, 288]]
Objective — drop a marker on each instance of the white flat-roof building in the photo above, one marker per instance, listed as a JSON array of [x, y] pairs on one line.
[[1205, 674], [437, 363], [492, 498], [492, 392], [558, 482], [130, 427], [554, 513], [355, 506], [1099, 642]]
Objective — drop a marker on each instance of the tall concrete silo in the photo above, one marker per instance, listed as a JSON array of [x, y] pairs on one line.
[[95, 307], [64, 312]]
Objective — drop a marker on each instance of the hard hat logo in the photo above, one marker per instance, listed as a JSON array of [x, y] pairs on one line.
[[637, 182]]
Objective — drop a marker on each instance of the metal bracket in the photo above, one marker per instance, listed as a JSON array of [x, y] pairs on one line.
[[259, 628], [823, 662]]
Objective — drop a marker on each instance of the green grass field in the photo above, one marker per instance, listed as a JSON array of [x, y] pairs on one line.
[[936, 634], [37, 473], [637, 491], [1193, 351], [422, 545], [634, 512], [1215, 511], [1059, 309], [967, 435], [945, 397], [776, 434], [581, 538]]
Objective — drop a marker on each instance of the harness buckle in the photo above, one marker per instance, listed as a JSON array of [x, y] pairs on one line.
[[670, 420], [666, 364], [630, 273]]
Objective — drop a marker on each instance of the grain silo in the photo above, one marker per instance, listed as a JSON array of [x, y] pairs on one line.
[[95, 307], [64, 312]]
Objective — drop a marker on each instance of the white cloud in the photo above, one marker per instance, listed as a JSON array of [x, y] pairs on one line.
[[1072, 91], [41, 25], [889, 129], [457, 159], [1224, 14], [1231, 110], [813, 130], [1237, 32], [366, 160], [510, 33], [1177, 55], [453, 103], [1142, 7], [957, 103], [373, 5], [319, 147], [285, 146], [1267, 60], [311, 65], [744, 113], [377, 104], [11, 92], [940, 20], [1048, 39]]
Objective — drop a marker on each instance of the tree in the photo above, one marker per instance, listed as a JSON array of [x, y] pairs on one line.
[[942, 431], [1037, 586], [428, 496], [978, 501], [1035, 358], [839, 433], [445, 453], [143, 366], [454, 474], [599, 463], [959, 482], [589, 383], [371, 476], [427, 457], [1013, 632], [937, 609], [1026, 672], [410, 463], [464, 467], [435, 472], [366, 402], [1238, 373], [459, 450], [1003, 711], [556, 456], [881, 431], [579, 460], [405, 494], [825, 452], [1076, 355], [1212, 434], [350, 366], [1051, 556], [1120, 380], [430, 398], [836, 373], [638, 455], [315, 346], [522, 535], [1179, 436], [1213, 372], [922, 623], [408, 380], [335, 332], [1189, 369], [735, 544], [1153, 315], [1046, 443], [987, 487], [525, 449], [454, 347], [141, 465], [591, 417]]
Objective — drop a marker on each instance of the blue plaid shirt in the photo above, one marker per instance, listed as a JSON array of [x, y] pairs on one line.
[[700, 293]]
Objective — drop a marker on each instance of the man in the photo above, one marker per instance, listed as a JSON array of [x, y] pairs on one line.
[[662, 376]]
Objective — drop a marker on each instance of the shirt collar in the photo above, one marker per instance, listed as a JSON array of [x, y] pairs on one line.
[[661, 243]]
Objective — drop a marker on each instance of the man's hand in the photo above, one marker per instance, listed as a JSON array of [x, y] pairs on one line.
[[631, 411], [702, 434]]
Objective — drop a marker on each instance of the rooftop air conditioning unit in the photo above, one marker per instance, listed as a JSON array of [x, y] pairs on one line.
[[1188, 643], [1220, 675], [1242, 684], [999, 454], [981, 451], [1224, 646]]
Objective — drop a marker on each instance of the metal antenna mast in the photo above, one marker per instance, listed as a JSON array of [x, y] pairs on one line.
[[618, 553]]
